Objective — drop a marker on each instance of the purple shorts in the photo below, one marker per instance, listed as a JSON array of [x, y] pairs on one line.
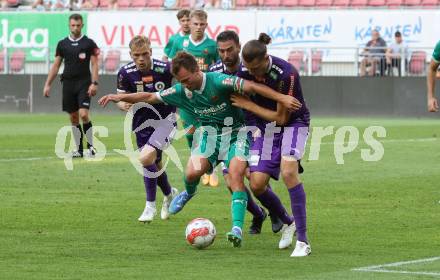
[[266, 154], [158, 138]]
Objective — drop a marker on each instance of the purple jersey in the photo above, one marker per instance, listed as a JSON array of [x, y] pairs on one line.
[[131, 80], [220, 67], [284, 78]]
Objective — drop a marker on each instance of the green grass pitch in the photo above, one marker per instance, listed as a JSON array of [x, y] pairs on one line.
[[82, 224]]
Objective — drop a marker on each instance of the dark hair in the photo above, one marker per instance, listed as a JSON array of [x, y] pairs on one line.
[[185, 60], [76, 17], [183, 13], [228, 35], [397, 34], [256, 49]]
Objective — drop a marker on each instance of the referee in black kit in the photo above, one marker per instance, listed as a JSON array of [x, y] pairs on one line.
[[78, 84]]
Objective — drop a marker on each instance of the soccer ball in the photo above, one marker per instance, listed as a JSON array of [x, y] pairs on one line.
[[200, 233]]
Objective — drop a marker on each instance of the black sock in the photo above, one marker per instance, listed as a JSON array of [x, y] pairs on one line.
[[87, 127], [79, 142]]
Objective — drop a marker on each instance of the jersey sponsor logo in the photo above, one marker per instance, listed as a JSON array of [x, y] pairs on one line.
[[147, 79], [188, 93], [292, 84], [202, 65], [82, 55], [167, 92], [159, 86], [211, 110]]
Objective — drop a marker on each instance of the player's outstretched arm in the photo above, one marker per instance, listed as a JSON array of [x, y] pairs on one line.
[[280, 116], [148, 97], [432, 101], [289, 102]]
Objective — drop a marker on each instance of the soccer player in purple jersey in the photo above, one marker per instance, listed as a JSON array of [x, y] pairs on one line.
[[229, 47], [288, 144], [145, 74]]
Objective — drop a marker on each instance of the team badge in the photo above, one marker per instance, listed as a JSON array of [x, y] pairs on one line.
[[147, 79], [159, 86], [214, 98], [82, 55], [188, 93], [185, 43], [205, 51]]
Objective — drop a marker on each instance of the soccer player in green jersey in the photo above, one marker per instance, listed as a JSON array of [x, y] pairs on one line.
[[183, 18], [432, 70], [204, 50], [221, 132]]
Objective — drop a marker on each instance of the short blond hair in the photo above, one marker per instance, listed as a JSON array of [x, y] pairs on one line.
[[139, 41], [201, 14]]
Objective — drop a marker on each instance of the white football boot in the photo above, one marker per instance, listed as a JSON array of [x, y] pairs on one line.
[[302, 249], [149, 212], [287, 236], [165, 213]]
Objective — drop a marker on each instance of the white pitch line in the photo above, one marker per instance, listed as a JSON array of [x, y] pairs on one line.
[[379, 268], [182, 150]]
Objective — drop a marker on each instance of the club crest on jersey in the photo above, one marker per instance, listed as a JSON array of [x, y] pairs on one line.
[[214, 98], [147, 79], [82, 55], [185, 43], [273, 75], [159, 86], [188, 93], [205, 51], [228, 81]]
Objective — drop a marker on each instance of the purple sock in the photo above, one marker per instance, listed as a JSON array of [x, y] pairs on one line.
[[252, 207], [150, 183], [298, 203], [162, 182], [271, 201]]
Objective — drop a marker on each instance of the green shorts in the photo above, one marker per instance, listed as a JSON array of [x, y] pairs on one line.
[[221, 148]]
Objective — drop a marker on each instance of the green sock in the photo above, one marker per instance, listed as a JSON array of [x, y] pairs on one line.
[[191, 188], [239, 202], [189, 139]]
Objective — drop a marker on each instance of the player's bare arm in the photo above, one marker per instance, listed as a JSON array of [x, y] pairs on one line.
[[52, 74], [290, 102], [148, 97], [280, 116], [432, 71], [93, 88]]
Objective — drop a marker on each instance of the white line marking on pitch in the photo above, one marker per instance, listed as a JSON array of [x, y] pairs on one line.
[[381, 268], [182, 150]]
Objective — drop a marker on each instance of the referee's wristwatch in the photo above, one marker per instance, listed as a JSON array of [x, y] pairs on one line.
[[95, 83]]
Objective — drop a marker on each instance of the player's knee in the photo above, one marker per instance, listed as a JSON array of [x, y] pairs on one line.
[[257, 188], [84, 117], [290, 176], [192, 175]]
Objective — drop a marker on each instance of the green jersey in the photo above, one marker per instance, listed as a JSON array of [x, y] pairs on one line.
[[436, 53], [211, 104], [169, 45], [204, 51]]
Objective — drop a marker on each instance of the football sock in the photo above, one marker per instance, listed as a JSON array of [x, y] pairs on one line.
[[238, 208], [162, 182], [78, 138], [298, 203], [271, 201], [87, 128], [191, 187], [150, 183]]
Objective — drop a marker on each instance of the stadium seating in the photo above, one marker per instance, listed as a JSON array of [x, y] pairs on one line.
[[241, 3], [271, 3], [412, 2], [316, 62], [417, 62], [103, 3], [359, 3], [112, 61], [184, 3], [16, 61], [296, 58], [124, 3], [377, 3], [429, 3], [154, 3], [394, 3], [324, 3], [13, 3], [289, 3], [306, 3], [341, 3]]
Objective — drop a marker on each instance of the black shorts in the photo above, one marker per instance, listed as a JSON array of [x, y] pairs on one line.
[[75, 95]]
